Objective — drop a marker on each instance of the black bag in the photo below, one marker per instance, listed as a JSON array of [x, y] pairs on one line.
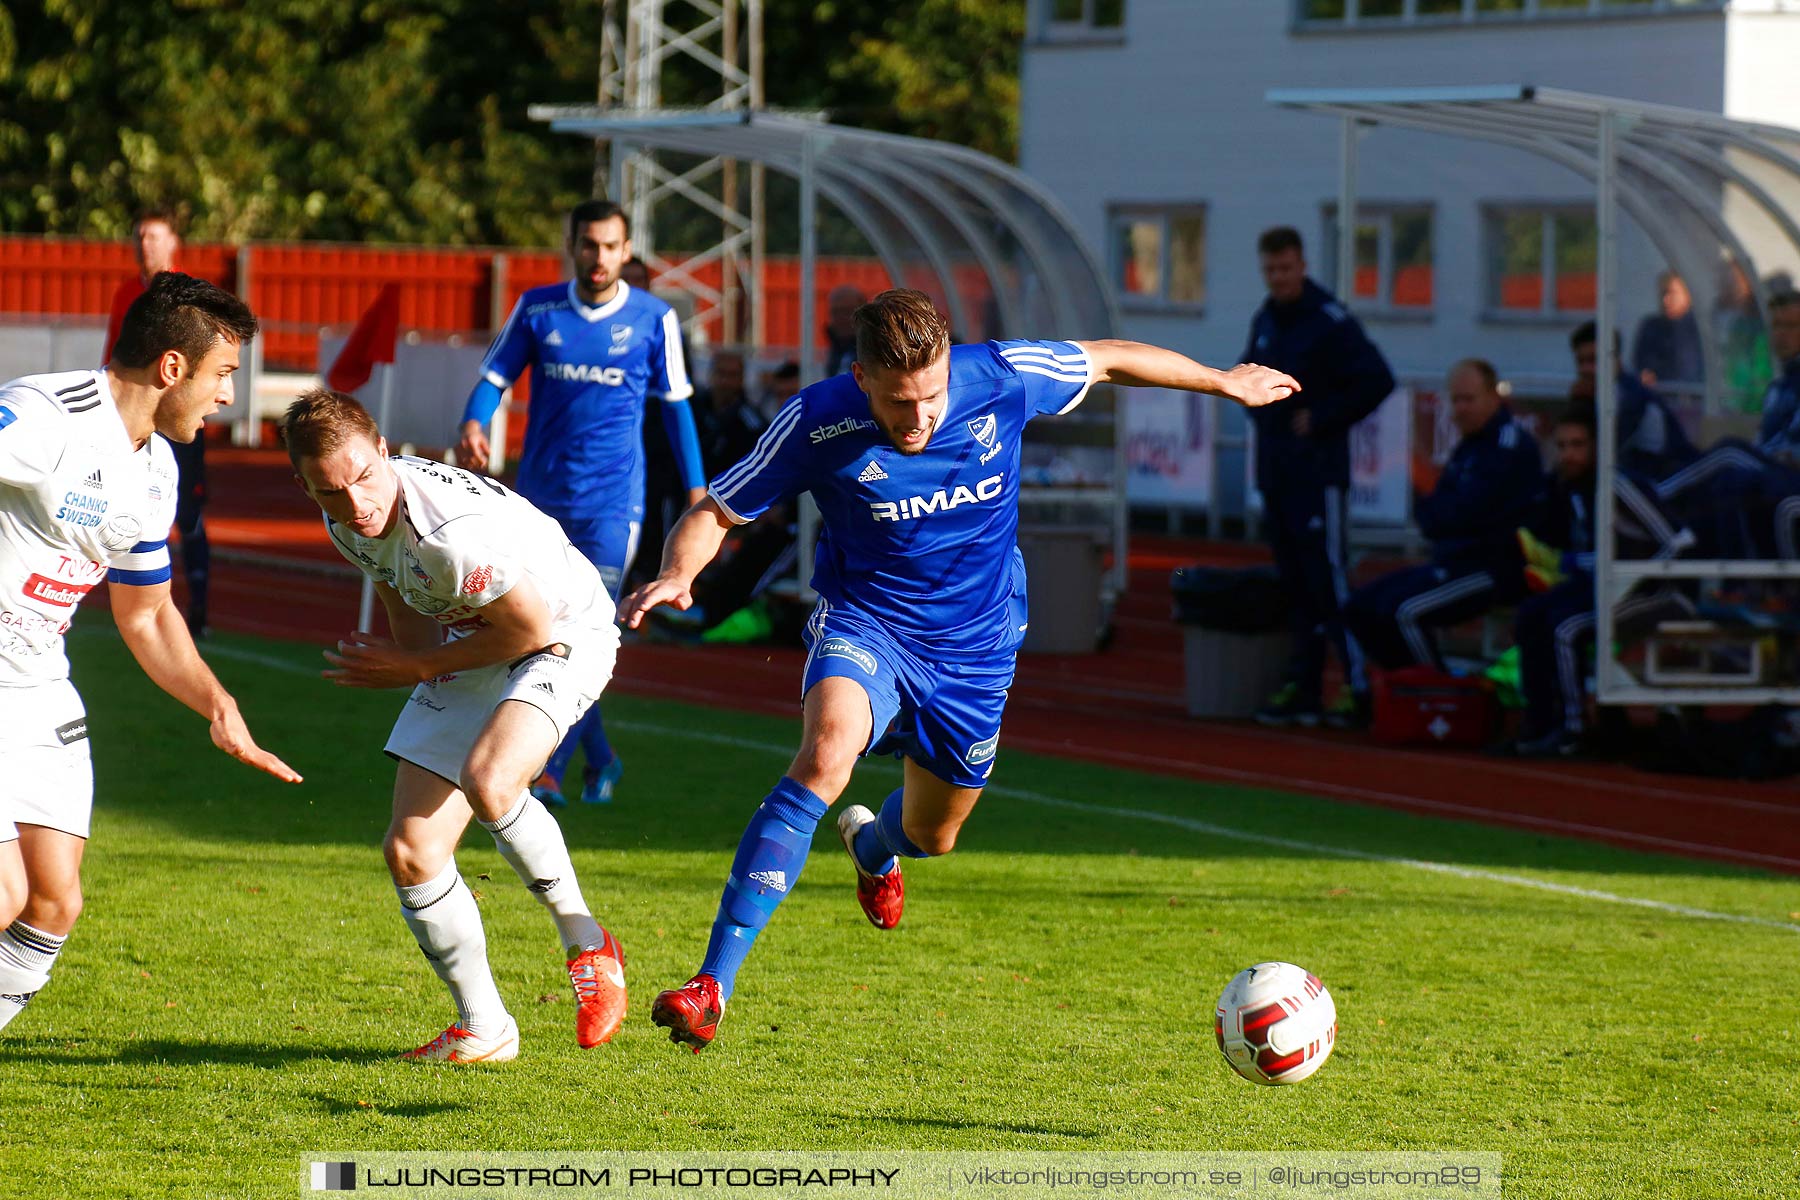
[[1230, 600]]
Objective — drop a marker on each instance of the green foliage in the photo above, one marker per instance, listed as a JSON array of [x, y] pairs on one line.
[[405, 120]]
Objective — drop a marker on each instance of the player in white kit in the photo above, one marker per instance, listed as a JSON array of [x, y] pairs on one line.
[[505, 633], [88, 492]]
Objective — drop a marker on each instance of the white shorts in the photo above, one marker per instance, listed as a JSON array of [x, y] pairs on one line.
[[46, 773], [442, 718]]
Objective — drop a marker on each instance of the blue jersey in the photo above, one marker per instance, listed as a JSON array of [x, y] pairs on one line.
[[591, 369], [925, 544]]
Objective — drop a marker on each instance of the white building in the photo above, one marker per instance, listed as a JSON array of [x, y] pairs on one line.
[[1148, 120]]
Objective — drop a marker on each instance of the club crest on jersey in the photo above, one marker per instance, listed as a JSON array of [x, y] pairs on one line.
[[986, 430], [621, 339], [419, 573], [943, 500]]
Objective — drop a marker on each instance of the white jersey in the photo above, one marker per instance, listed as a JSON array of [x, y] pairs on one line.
[[78, 503], [462, 541]]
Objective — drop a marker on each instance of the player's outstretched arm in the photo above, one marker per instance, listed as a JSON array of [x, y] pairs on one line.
[[692, 544], [1137, 364], [157, 636], [518, 623]]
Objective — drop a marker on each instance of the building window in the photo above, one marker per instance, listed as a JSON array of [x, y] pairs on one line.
[[1541, 261], [1158, 255], [1393, 257], [1341, 14], [1081, 18]]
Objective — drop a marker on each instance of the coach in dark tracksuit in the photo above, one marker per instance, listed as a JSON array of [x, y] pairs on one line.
[[1303, 467], [1491, 486]]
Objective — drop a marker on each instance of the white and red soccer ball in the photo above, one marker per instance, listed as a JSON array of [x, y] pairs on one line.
[[1275, 1023]]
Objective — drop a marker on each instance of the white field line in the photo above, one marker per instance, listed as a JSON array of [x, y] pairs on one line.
[[1161, 818]]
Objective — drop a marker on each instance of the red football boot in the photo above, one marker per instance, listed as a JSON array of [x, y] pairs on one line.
[[690, 1012], [883, 897]]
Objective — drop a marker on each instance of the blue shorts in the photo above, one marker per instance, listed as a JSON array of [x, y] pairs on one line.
[[610, 543], [943, 716]]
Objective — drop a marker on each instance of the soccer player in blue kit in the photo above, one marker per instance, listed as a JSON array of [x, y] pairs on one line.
[[913, 459], [597, 347]]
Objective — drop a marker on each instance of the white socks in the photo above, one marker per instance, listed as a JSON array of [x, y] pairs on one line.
[[529, 838], [25, 958], [444, 918]]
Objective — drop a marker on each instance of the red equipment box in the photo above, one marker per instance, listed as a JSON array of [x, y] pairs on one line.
[[1425, 706]]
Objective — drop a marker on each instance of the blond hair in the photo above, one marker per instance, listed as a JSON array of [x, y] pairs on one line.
[[322, 420]]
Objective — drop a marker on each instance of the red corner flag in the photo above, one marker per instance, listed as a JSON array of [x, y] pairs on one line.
[[372, 341]]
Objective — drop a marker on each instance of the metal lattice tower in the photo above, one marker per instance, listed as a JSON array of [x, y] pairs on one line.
[[724, 38]]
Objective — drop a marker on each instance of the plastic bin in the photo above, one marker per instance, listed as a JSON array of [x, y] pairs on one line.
[[1235, 635], [1063, 575]]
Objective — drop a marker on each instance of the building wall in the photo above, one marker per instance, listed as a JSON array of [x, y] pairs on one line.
[[1174, 111]]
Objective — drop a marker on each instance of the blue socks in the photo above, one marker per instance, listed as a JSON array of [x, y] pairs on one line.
[[590, 734], [769, 858], [879, 842]]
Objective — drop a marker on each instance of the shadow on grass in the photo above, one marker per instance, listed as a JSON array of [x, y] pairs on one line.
[[1021, 1128], [172, 1053], [338, 1107], [153, 761]]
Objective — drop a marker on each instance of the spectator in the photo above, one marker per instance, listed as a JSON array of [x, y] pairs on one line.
[[1649, 437], [1303, 470], [1491, 485], [779, 385], [1554, 629], [1742, 341], [840, 327], [156, 244], [1779, 434], [1667, 346], [729, 423], [1737, 496]]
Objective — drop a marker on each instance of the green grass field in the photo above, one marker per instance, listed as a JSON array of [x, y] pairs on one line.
[[241, 982]]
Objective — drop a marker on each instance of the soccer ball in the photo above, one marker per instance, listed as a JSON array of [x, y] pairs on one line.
[[1275, 1023]]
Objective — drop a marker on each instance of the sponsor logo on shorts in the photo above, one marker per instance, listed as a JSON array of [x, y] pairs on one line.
[[983, 751], [73, 732], [542, 886], [774, 879], [477, 581], [839, 648], [55, 591]]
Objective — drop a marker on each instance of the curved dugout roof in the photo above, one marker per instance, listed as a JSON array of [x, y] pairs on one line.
[[1701, 186], [1698, 184], [933, 212]]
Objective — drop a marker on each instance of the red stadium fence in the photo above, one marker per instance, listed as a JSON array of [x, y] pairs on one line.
[[297, 287]]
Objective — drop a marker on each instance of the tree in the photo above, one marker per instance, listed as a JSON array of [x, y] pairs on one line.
[[405, 120]]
